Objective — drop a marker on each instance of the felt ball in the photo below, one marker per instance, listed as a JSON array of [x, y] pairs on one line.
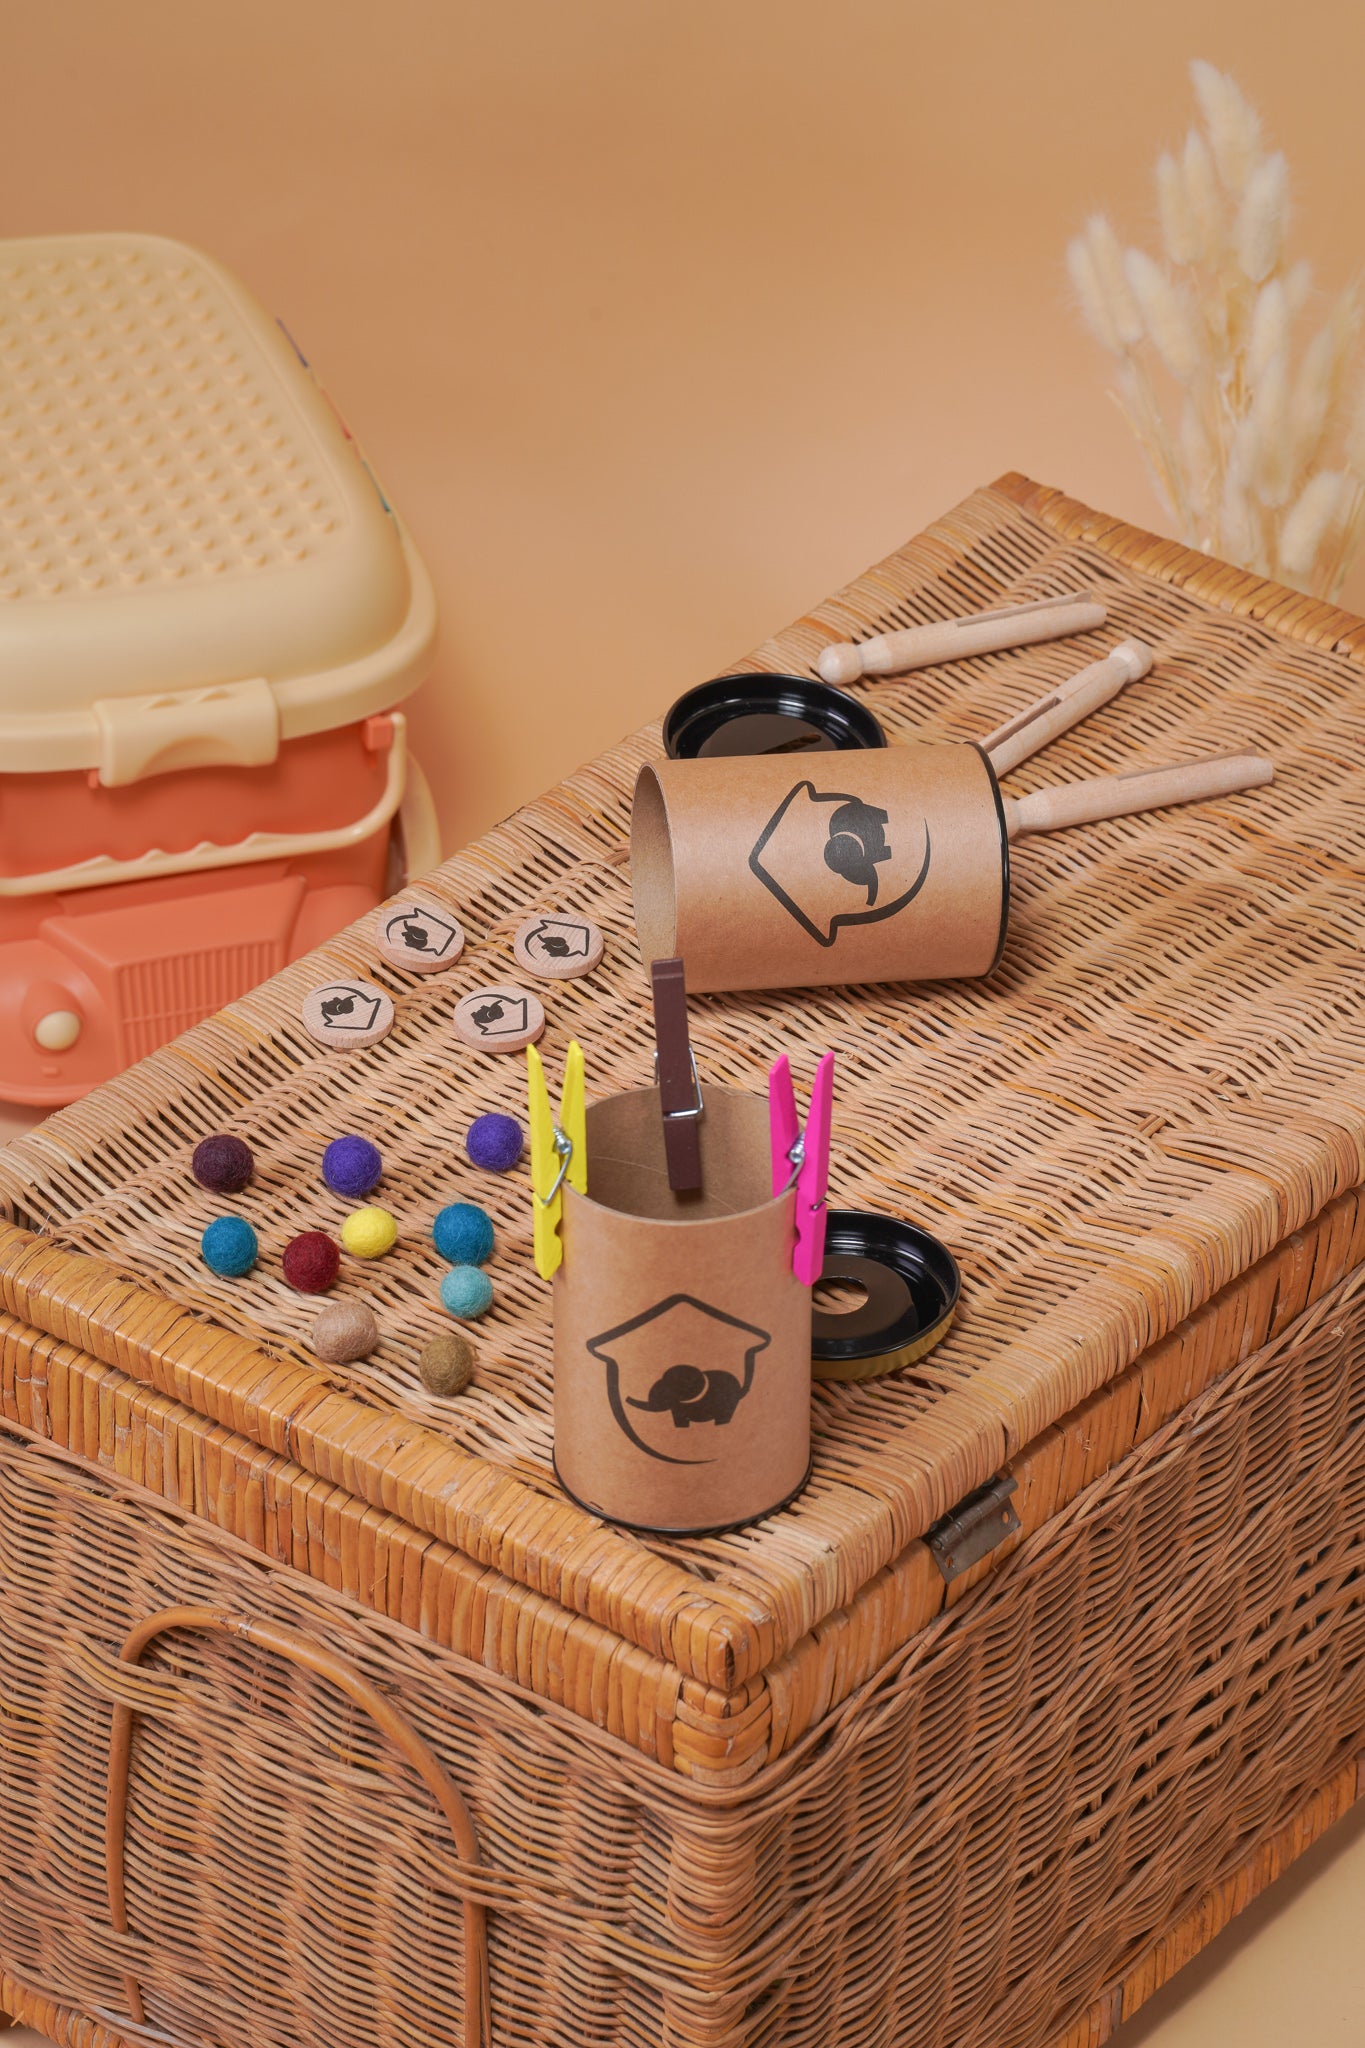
[[447, 1364], [369, 1233], [345, 1331], [467, 1292], [222, 1164], [495, 1142], [463, 1234], [351, 1166], [311, 1262], [229, 1246]]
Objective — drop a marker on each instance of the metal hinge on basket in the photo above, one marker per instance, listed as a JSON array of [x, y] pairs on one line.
[[974, 1528]]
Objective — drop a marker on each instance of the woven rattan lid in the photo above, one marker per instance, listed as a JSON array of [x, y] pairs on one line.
[[1161, 1083], [181, 510]]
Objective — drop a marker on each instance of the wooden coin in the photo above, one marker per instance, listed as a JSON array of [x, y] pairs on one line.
[[417, 934], [502, 1019], [346, 1014], [558, 948]]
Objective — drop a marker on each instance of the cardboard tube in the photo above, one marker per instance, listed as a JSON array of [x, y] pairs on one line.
[[682, 1337], [763, 872]]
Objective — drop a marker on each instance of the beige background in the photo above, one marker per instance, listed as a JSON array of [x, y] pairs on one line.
[[660, 320]]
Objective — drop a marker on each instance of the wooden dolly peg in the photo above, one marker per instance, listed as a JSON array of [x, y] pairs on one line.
[[1143, 789], [1012, 625], [1047, 718]]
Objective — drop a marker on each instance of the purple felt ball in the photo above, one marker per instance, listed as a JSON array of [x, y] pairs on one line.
[[351, 1166], [495, 1142], [222, 1163]]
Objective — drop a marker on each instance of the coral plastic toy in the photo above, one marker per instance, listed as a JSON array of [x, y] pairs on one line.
[[208, 612]]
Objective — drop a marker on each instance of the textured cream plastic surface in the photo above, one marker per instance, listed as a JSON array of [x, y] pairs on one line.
[[181, 511]]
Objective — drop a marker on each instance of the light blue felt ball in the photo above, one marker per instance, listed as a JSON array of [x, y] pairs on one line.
[[228, 1246], [466, 1292], [463, 1234]]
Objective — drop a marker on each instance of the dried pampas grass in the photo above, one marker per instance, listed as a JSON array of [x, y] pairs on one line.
[[1255, 438]]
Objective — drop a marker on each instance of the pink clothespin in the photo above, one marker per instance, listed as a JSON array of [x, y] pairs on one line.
[[803, 1155]]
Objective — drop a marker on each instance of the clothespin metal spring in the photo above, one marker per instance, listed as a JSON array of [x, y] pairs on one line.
[[698, 1107], [564, 1153]]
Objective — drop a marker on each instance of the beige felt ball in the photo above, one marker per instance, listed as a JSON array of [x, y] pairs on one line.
[[369, 1233], [346, 1330], [447, 1364]]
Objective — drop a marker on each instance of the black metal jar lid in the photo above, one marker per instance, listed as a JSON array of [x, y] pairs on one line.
[[767, 714], [911, 1283]]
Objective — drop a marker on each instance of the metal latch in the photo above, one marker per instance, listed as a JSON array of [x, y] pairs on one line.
[[974, 1528]]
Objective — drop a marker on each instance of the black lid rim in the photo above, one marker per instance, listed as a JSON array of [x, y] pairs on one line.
[[920, 1259], [705, 709]]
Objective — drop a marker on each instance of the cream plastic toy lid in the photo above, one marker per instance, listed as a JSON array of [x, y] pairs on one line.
[[195, 561]]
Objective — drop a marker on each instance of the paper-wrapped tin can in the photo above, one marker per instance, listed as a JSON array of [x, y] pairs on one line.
[[682, 1337], [777, 872]]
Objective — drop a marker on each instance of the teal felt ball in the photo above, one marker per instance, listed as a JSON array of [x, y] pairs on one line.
[[466, 1292], [463, 1234], [228, 1246]]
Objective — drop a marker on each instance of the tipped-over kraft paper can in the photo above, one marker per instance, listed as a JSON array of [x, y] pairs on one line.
[[774, 871], [682, 1337]]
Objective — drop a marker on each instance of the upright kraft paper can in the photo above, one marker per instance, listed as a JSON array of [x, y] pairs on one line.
[[682, 1337], [781, 871]]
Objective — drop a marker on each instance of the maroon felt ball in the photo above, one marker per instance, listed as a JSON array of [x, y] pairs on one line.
[[222, 1163], [311, 1262]]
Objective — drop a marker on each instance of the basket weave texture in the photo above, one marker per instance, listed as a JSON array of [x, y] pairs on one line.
[[1119, 1734], [1161, 1083]]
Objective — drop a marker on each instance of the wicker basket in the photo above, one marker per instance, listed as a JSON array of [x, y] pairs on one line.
[[862, 1774], [328, 1828]]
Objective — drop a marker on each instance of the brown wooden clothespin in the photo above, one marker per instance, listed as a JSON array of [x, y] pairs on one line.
[[679, 1088]]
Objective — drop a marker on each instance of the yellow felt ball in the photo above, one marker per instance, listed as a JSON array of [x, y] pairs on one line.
[[369, 1233]]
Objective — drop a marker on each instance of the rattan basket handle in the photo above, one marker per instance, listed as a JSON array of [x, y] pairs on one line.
[[298, 1649]]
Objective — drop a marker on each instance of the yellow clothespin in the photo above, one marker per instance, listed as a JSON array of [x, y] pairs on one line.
[[559, 1151]]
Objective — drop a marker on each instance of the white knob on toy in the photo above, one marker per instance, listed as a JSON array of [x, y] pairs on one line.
[[57, 1031], [1144, 789], [1048, 717], [1013, 625]]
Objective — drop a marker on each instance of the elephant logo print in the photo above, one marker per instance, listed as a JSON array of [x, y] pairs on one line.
[[419, 930], [349, 1009], [856, 844], [666, 1403], [559, 938], [499, 1016], [690, 1395], [831, 860]]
